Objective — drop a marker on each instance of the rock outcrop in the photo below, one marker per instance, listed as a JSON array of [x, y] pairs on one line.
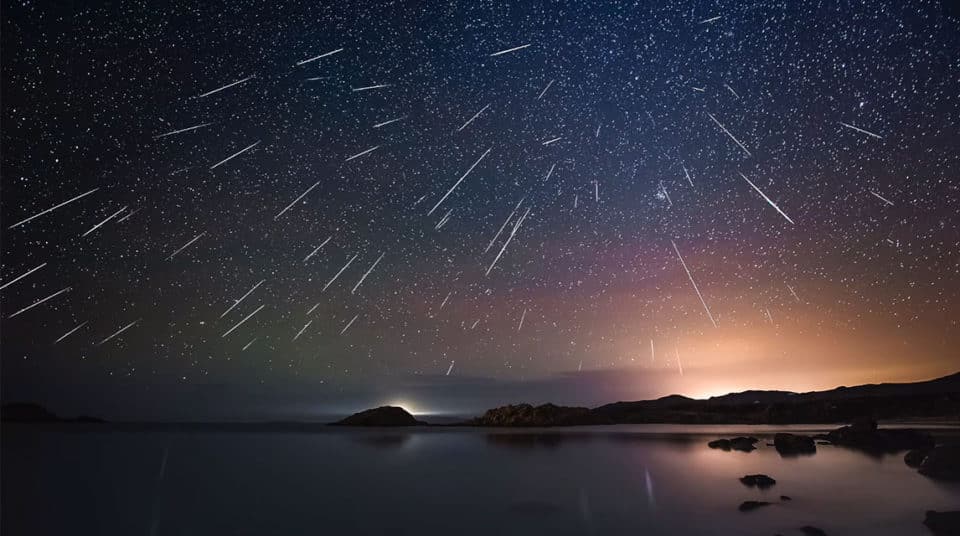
[[526, 415]]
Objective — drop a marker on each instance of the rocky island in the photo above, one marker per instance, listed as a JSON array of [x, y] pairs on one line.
[[526, 415], [382, 416]]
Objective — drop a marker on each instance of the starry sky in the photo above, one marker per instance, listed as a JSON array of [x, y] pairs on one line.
[[249, 209]]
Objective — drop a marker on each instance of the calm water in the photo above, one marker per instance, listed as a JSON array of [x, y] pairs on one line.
[[602, 480]]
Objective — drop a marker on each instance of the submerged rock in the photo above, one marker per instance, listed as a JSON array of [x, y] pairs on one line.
[[792, 444], [943, 523], [747, 506], [744, 444], [382, 416], [785, 498], [812, 531], [759, 481], [942, 462]]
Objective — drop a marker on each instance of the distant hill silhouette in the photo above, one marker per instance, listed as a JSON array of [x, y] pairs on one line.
[[27, 412], [938, 398], [934, 399], [754, 397]]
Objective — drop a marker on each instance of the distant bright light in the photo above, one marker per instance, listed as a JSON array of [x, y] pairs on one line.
[[704, 394], [409, 406], [415, 409]]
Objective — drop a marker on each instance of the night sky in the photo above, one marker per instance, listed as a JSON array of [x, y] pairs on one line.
[[353, 164]]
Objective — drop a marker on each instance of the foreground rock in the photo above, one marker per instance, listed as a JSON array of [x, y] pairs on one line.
[[942, 463], [744, 444], [749, 506], [792, 444], [915, 457], [943, 523], [864, 435], [382, 416], [758, 481], [526, 415]]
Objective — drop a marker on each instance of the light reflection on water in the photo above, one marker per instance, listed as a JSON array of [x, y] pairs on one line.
[[644, 479]]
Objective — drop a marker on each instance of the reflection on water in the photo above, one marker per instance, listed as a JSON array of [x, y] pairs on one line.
[[556, 437], [535, 508], [382, 439], [604, 480]]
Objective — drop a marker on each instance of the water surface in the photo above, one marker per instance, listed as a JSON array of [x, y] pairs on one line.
[[643, 479]]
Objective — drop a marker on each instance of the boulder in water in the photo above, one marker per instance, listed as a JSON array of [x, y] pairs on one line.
[[915, 457], [793, 444], [864, 435], [942, 462], [749, 506], [744, 444], [758, 481]]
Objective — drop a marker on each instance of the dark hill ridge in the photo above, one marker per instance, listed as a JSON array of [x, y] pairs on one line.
[[754, 397], [946, 384], [938, 398]]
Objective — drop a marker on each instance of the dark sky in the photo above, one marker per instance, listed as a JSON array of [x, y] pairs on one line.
[[799, 159]]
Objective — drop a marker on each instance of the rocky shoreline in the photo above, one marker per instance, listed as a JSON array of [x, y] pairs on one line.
[[939, 462]]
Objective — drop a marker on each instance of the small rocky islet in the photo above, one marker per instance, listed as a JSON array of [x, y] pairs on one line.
[[382, 416]]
